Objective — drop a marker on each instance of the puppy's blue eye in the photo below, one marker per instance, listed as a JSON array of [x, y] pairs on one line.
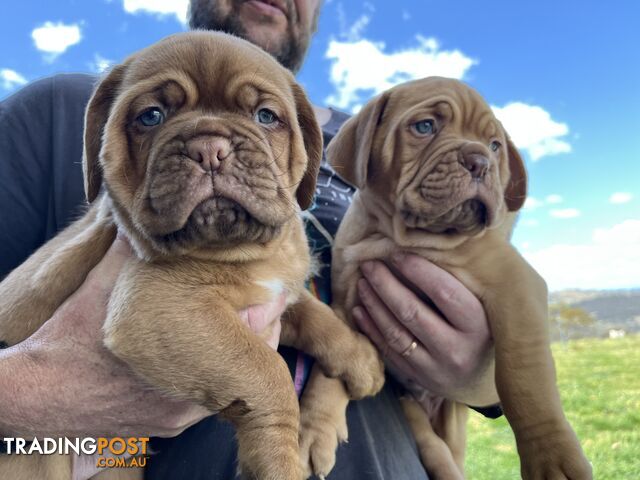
[[495, 145], [151, 117], [266, 116], [424, 127]]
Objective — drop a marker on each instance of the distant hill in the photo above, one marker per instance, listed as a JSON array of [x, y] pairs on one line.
[[612, 309]]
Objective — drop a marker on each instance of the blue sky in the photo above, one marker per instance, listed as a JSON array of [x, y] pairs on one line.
[[563, 75]]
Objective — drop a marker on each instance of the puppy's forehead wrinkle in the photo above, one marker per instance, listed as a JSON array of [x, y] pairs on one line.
[[468, 108], [226, 59], [257, 81], [483, 123], [477, 116], [248, 90], [434, 91]]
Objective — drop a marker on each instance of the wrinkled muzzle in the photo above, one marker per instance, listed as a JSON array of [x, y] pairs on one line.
[[456, 192], [212, 182]]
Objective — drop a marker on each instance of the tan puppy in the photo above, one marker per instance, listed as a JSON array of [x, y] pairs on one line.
[[439, 177], [207, 149]]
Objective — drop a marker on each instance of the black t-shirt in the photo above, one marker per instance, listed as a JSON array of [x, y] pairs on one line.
[[41, 192]]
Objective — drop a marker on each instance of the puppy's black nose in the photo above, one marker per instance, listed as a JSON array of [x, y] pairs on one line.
[[476, 164], [209, 151]]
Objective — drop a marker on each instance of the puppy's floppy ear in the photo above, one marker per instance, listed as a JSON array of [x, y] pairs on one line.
[[95, 120], [312, 136], [350, 150], [516, 191]]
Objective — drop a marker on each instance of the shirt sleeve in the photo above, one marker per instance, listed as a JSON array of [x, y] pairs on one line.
[[40, 163]]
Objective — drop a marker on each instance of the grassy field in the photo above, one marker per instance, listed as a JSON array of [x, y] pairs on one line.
[[599, 382]]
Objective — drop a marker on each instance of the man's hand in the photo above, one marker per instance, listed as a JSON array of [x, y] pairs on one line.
[[453, 351], [63, 381], [264, 320]]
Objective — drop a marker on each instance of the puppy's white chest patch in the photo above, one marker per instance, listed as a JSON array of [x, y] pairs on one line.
[[275, 286]]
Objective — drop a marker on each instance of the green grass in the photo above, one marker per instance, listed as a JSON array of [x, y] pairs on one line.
[[599, 382]]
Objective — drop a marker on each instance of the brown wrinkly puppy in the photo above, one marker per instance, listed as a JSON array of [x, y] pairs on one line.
[[207, 150], [439, 177]]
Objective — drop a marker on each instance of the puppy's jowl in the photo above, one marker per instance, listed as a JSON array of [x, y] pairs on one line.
[[439, 177], [202, 150]]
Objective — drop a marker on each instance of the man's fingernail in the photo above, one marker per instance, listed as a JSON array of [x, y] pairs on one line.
[[357, 313]]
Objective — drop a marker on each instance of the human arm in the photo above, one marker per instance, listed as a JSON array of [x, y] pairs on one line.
[[63, 381]]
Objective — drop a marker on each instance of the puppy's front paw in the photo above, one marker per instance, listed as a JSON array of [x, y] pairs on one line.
[[321, 431], [558, 459], [363, 371]]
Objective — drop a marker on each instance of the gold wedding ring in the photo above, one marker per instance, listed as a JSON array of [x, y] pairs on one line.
[[410, 349]]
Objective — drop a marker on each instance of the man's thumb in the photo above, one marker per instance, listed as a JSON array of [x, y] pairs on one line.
[[105, 273]]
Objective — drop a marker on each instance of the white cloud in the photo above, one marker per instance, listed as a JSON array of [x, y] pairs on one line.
[[358, 27], [610, 260], [54, 38], [532, 129], [99, 63], [353, 32], [565, 213], [178, 8], [9, 79], [341, 17], [355, 80], [554, 198], [620, 197], [531, 203], [529, 222]]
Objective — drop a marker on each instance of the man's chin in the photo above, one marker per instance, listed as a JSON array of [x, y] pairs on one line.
[[271, 32], [266, 36]]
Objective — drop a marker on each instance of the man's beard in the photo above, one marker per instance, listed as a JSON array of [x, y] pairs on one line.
[[291, 50]]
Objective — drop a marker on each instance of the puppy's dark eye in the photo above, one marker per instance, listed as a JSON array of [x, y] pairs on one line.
[[424, 127], [266, 116], [495, 145], [151, 117]]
